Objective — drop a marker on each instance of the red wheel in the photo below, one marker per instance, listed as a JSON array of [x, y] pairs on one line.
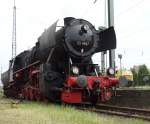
[[31, 94], [23, 93], [26, 94], [37, 96], [108, 96]]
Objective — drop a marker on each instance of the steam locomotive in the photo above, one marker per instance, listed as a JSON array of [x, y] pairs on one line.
[[60, 68]]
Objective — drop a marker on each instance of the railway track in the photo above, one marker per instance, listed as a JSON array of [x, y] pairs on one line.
[[118, 111]]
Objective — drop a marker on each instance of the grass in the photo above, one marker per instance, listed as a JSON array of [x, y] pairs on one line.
[[143, 87], [136, 88], [42, 113]]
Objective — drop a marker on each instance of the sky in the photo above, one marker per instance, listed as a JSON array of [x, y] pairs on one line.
[[33, 16]]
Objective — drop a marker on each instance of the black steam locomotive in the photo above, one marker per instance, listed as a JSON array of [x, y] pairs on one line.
[[59, 67]]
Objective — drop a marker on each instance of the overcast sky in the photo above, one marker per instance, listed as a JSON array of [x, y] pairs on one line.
[[132, 24]]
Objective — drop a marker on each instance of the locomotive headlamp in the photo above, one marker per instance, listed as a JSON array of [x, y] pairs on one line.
[[75, 70], [110, 71]]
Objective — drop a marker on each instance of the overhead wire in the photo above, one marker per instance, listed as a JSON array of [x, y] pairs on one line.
[[135, 32], [140, 31], [130, 8], [95, 1], [88, 8], [127, 10]]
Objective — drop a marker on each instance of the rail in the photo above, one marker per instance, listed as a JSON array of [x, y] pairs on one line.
[[118, 111]]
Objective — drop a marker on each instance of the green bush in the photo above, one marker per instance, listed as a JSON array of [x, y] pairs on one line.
[[135, 77], [142, 76]]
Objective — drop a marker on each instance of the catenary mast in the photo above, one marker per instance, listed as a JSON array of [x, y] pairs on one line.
[[14, 45], [109, 20], [111, 23]]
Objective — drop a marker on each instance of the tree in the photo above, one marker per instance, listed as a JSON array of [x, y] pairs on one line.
[[135, 76], [143, 75]]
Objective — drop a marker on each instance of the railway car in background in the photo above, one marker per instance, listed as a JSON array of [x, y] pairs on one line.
[[125, 77], [59, 67]]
